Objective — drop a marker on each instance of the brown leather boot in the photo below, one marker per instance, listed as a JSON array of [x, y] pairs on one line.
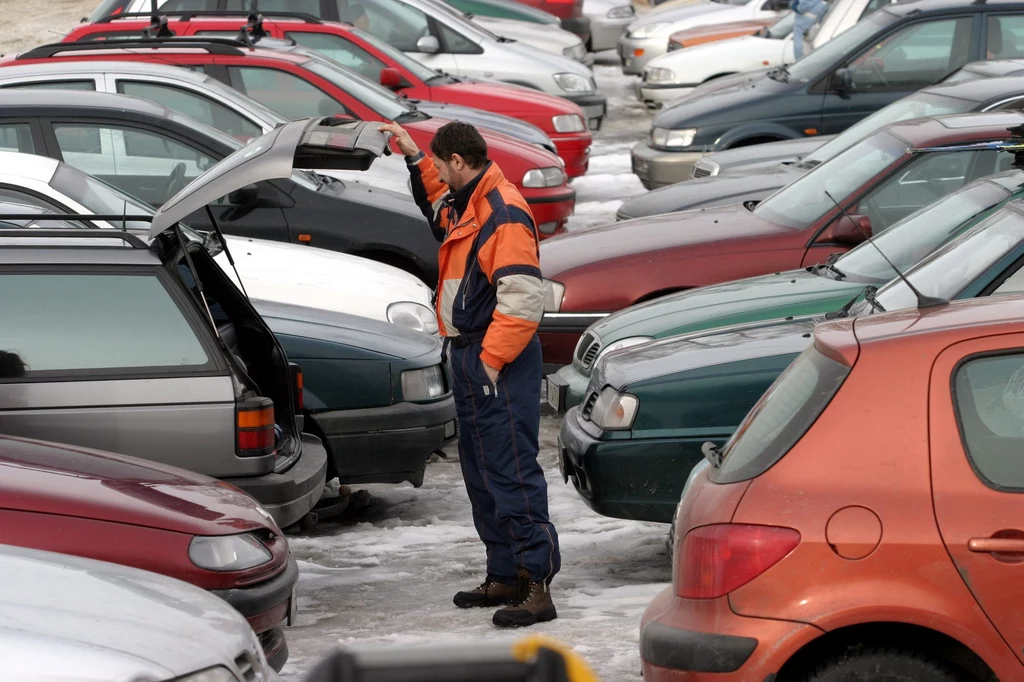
[[533, 605], [488, 593]]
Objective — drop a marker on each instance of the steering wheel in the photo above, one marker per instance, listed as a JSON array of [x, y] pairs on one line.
[[176, 181]]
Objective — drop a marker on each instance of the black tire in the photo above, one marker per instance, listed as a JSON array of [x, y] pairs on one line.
[[882, 665]]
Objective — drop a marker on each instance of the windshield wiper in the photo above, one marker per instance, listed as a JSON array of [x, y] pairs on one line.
[[869, 296], [869, 290], [412, 114], [830, 264], [780, 74]]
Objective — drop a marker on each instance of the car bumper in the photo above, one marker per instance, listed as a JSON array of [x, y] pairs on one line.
[[614, 476], [565, 388], [635, 53], [386, 444], [268, 606], [289, 495], [578, 25], [560, 332], [605, 32], [575, 152], [594, 105], [657, 95], [550, 207], [703, 640], [657, 168]]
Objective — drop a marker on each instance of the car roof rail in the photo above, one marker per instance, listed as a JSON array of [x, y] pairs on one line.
[[188, 15], [132, 240], [212, 44]]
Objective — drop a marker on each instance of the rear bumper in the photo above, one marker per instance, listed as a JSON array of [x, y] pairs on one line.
[[267, 606], [703, 640], [386, 444], [657, 168], [578, 25], [288, 496], [594, 105], [550, 208]]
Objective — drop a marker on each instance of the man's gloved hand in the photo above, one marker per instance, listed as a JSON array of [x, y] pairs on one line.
[[402, 138]]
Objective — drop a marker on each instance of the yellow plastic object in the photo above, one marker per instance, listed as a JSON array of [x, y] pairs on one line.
[[526, 649]]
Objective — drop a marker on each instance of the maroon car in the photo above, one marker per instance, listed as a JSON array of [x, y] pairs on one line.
[[138, 513], [877, 182]]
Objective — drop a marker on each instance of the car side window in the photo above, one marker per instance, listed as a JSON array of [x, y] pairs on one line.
[[988, 393], [87, 85], [913, 57], [59, 324], [1005, 37], [456, 43], [15, 201], [16, 137], [285, 93], [141, 163], [194, 105], [394, 22], [345, 52], [182, 5]]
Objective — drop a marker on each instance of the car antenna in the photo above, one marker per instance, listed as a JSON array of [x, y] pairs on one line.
[[227, 250], [922, 300], [124, 215], [195, 278]]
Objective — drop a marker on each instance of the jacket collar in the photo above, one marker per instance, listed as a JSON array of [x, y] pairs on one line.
[[477, 188]]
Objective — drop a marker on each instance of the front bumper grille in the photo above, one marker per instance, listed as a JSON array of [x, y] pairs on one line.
[[588, 350]]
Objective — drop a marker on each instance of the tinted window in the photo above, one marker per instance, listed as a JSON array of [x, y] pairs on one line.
[[989, 398], [14, 201], [457, 43], [285, 93], [76, 322], [781, 417], [194, 105], [16, 137], [105, 8], [815, 64], [1005, 37], [87, 85], [342, 51], [914, 56]]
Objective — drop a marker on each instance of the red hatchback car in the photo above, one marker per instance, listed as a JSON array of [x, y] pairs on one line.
[[866, 520], [375, 59], [138, 513], [298, 83]]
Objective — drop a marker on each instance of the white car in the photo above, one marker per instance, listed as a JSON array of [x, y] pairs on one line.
[[270, 271], [548, 37], [647, 37], [677, 73], [77, 620]]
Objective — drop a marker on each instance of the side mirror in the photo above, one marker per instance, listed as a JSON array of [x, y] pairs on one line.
[[850, 229], [428, 45], [842, 80], [244, 196], [391, 78]]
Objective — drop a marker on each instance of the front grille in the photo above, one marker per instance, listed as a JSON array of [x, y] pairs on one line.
[[700, 172], [588, 349], [245, 666], [588, 407]]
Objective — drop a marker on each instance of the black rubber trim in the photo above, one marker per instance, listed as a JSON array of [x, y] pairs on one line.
[[568, 196], [690, 651], [262, 597], [397, 417], [588, 99]]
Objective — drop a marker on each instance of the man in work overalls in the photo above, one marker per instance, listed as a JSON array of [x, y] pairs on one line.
[[490, 299]]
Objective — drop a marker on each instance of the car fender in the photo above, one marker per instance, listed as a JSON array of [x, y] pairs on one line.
[[754, 129]]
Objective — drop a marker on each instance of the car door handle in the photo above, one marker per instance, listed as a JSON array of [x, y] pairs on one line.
[[996, 545]]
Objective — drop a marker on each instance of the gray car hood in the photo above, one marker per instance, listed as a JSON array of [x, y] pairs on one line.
[[316, 143]]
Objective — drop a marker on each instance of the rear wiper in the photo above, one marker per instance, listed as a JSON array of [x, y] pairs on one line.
[[780, 74], [845, 310], [830, 264], [712, 453], [869, 296]]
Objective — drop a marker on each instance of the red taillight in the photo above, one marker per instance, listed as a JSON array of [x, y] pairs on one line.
[[715, 560], [300, 402], [255, 427]]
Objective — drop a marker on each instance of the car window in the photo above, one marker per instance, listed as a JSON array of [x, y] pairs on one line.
[[345, 52], [393, 21], [1005, 37], [285, 93], [15, 201], [194, 105], [105, 8], [16, 137], [913, 57], [927, 178], [456, 43], [988, 394], [781, 417], [182, 5], [304, 6], [84, 85], [141, 163], [410, 64], [69, 323], [815, 64]]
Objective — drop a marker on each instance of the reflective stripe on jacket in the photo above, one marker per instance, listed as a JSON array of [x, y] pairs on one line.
[[490, 281]]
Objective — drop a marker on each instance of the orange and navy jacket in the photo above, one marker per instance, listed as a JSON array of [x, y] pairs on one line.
[[490, 285]]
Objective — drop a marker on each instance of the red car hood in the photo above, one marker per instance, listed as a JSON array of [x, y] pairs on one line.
[[506, 99], [648, 237], [50, 478], [529, 155]]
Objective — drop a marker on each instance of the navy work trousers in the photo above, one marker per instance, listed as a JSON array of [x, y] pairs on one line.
[[498, 431]]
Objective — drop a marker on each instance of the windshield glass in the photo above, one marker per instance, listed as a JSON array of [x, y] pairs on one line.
[[815, 64], [914, 106], [914, 237], [408, 63], [98, 197], [382, 101], [804, 201], [955, 266], [460, 19]]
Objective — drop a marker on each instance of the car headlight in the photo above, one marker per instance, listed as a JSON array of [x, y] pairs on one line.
[[663, 137], [576, 52], [423, 384], [568, 123], [623, 343], [573, 82], [614, 411], [413, 315], [228, 552], [649, 30], [622, 12], [544, 177], [218, 674], [659, 75], [553, 293]]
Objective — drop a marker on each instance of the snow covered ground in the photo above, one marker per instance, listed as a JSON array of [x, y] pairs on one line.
[[387, 574]]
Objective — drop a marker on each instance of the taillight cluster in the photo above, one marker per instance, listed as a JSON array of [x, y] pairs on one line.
[[714, 560], [255, 427], [300, 402]]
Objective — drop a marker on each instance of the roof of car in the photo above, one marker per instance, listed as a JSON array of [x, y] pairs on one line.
[[81, 100], [73, 246], [939, 130], [963, 319], [978, 90], [996, 67], [187, 44], [92, 66], [38, 168]]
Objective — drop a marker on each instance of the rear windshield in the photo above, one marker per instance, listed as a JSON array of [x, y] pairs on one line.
[[781, 417]]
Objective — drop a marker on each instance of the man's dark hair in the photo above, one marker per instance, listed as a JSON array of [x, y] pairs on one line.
[[462, 139], [11, 365]]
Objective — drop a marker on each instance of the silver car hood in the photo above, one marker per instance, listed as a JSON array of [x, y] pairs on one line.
[[67, 618]]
